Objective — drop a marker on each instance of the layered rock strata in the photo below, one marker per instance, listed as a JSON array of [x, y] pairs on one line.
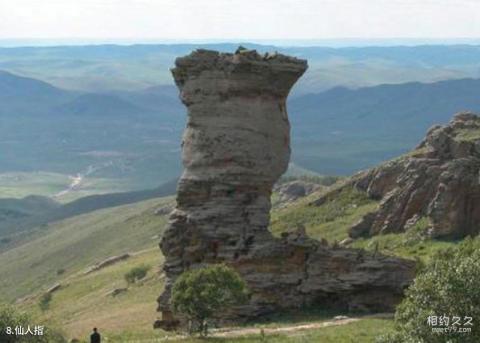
[[438, 182], [235, 147]]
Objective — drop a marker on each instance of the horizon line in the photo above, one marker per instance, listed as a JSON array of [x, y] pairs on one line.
[[300, 42]]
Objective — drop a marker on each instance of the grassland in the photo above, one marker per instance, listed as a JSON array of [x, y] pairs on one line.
[[76, 243], [399, 244], [22, 184], [330, 221], [362, 331], [84, 300], [64, 250]]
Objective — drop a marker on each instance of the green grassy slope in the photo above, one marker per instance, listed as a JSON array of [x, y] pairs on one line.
[[16, 229], [83, 301], [330, 221], [333, 218], [11, 208], [78, 242]]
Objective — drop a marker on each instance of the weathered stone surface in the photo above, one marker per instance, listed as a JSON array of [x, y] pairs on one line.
[[293, 190], [235, 147], [54, 288], [439, 180], [108, 262], [117, 291]]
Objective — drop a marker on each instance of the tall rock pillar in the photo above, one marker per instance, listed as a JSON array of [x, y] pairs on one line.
[[235, 147]]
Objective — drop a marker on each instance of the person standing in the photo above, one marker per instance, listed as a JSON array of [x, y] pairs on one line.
[[95, 336]]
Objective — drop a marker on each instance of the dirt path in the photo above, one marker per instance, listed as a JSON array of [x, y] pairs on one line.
[[283, 329], [287, 329]]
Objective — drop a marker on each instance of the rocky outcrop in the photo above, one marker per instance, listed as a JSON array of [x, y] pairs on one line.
[[108, 262], [439, 181], [54, 288], [293, 190], [235, 147], [116, 291]]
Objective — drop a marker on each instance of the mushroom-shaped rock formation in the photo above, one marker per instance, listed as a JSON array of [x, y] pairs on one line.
[[235, 147]]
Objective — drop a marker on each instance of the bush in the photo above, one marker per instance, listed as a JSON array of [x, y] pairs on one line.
[[10, 319], [447, 287], [44, 302], [137, 273], [201, 294]]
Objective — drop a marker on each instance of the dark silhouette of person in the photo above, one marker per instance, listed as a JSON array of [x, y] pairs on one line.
[[95, 336]]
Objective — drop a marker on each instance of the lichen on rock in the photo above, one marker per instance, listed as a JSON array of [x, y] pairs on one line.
[[235, 147]]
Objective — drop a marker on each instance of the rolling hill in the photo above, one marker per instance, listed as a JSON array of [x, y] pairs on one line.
[[343, 130], [11, 208], [76, 243], [134, 67], [129, 140], [100, 105], [20, 219], [121, 144], [26, 96]]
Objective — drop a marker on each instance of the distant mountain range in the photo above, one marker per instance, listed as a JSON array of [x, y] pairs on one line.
[[27, 96], [343, 130], [135, 67], [49, 129], [338, 131]]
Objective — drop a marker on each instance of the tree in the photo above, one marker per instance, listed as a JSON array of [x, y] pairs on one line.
[[201, 294], [449, 288], [11, 319], [44, 302]]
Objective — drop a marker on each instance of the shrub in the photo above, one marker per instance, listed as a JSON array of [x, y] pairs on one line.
[[44, 302], [137, 273], [447, 287], [10, 319], [200, 294]]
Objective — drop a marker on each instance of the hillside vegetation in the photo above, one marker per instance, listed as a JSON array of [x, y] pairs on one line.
[[65, 248]]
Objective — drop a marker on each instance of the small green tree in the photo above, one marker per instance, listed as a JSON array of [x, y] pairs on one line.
[[137, 273], [201, 293], [448, 287], [44, 302], [11, 319]]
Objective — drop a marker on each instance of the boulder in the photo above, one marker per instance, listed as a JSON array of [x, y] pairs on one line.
[[293, 190], [107, 262]]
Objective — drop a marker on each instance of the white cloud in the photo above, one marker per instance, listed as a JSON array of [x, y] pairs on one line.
[[237, 19]]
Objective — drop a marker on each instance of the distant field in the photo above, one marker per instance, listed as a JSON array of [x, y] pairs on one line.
[[22, 184], [19, 185], [56, 185]]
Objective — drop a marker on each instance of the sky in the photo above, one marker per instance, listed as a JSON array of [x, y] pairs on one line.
[[238, 19]]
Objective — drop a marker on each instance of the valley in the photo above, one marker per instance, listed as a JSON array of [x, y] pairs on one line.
[[90, 157]]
